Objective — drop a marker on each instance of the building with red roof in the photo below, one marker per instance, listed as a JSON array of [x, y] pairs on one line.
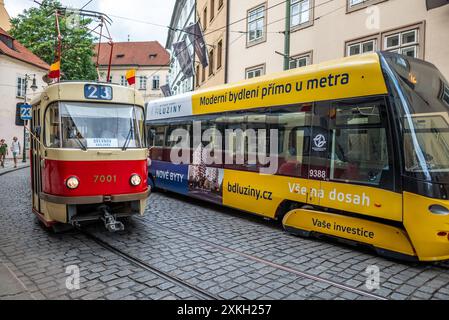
[[17, 62], [149, 58]]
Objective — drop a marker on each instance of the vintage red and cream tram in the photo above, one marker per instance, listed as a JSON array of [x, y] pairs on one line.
[[88, 154]]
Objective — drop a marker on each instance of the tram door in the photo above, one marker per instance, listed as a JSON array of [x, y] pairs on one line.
[[318, 152], [35, 157]]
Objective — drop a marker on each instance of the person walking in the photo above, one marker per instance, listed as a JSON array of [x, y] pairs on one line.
[[3, 152], [15, 149]]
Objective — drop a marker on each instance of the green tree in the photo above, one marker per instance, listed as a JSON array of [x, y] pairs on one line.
[[35, 28]]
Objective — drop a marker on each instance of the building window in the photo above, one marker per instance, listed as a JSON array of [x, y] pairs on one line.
[[219, 54], [203, 74], [405, 42], [300, 61], [301, 13], [156, 82], [360, 47], [211, 62], [205, 18], [220, 4], [256, 25], [142, 83], [21, 87], [353, 5], [123, 81], [255, 72], [212, 9]]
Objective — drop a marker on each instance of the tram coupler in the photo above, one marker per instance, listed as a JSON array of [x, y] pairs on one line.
[[111, 224]]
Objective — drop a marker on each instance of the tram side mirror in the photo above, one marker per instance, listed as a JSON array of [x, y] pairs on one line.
[[37, 131]]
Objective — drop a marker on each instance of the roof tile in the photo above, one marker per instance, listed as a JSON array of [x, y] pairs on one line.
[[20, 52]]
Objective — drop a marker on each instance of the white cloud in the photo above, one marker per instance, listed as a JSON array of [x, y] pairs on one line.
[[153, 11]]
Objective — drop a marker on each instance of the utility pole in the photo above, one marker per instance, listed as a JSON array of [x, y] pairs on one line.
[[33, 87], [24, 154], [287, 35]]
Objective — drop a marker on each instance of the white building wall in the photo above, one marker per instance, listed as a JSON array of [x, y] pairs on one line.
[[10, 70]]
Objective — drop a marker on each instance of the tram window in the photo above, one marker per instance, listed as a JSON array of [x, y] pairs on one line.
[[359, 151], [293, 126], [212, 139], [52, 127], [176, 133], [85, 125], [246, 141], [159, 136]]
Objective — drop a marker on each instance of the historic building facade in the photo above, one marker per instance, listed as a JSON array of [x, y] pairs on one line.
[[183, 16], [149, 58], [321, 30], [18, 68]]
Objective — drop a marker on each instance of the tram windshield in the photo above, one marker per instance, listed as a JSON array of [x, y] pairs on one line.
[[84, 126], [425, 118]]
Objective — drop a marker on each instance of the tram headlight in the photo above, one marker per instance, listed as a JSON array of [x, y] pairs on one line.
[[72, 183], [135, 180]]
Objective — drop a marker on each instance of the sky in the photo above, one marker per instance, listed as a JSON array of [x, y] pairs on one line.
[[153, 11]]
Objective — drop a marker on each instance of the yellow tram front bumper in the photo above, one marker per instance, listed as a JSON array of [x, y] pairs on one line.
[[428, 232], [424, 235]]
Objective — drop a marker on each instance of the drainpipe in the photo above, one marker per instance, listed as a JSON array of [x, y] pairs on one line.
[[287, 35]]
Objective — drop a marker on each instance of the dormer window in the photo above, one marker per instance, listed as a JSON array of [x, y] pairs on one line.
[[121, 55], [8, 41], [153, 56]]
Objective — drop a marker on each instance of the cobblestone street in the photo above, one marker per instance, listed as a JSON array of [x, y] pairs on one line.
[[208, 252]]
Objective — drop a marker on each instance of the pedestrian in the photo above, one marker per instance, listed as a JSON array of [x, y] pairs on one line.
[[3, 152], [15, 149]]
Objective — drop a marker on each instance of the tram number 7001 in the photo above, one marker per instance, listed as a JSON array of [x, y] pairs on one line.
[[105, 179]]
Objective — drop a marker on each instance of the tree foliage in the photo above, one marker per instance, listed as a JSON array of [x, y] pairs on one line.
[[35, 28]]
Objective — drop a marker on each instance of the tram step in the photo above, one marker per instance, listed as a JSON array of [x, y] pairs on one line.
[[381, 236]]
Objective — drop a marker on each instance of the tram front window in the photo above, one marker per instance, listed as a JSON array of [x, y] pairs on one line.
[[89, 126], [424, 117], [426, 144]]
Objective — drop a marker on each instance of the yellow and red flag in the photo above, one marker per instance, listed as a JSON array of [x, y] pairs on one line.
[[55, 70], [131, 76]]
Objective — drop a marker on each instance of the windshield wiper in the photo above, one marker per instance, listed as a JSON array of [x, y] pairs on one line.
[[83, 147], [128, 138]]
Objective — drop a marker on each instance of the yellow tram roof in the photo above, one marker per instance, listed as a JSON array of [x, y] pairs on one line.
[[74, 91], [349, 77]]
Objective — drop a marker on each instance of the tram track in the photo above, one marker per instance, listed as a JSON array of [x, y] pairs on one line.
[[194, 290], [254, 258]]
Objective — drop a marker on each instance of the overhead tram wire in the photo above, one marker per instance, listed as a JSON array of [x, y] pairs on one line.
[[221, 28]]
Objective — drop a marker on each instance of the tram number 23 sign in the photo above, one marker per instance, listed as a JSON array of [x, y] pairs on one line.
[[97, 92]]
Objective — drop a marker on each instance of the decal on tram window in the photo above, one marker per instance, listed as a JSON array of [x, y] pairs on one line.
[[97, 92], [102, 143], [319, 143]]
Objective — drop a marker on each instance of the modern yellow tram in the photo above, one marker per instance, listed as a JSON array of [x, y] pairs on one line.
[[356, 148], [88, 154]]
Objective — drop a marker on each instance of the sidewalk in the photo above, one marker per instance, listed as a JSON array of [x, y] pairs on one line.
[[9, 166], [11, 288]]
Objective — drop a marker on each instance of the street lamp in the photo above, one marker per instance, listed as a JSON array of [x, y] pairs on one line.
[[34, 88]]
